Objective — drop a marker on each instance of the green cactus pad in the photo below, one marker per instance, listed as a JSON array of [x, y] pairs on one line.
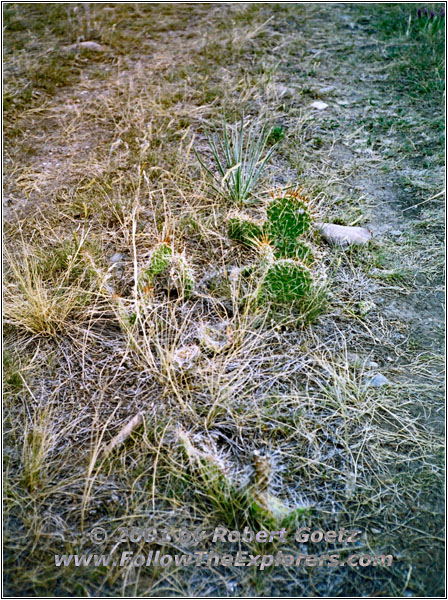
[[286, 281], [158, 262], [288, 218], [303, 252], [244, 230]]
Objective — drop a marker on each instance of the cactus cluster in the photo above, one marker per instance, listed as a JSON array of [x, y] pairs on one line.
[[163, 262], [282, 271], [287, 218], [157, 263]]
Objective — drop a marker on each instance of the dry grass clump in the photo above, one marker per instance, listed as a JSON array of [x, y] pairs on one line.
[[47, 292]]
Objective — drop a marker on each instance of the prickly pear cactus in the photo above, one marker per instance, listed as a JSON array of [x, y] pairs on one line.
[[244, 229], [181, 276], [303, 252], [157, 263], [286, 281], [287, 219], [169, 269]]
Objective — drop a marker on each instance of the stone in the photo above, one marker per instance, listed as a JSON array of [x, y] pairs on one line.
[[91, 46], [378, 380], [365, 306], [327, 89], [343, 235], [118, 257], [319, 105]]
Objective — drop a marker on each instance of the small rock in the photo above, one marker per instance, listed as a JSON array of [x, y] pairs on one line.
[[343, 235], [117, 258], [319, 105], [373, 365], [378, 380], [91, 46], [396, 233], [365, 306], [326, 89]]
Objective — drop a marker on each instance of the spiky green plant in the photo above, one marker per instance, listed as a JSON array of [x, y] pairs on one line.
[[286, 281], [244, 229], [287, 219], [240, 155], [173, 267], [157, 263]]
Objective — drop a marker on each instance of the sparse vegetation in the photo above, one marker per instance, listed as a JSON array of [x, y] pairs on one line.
[[191, 305]]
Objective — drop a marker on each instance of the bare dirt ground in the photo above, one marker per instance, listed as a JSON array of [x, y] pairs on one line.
[[99, 166]]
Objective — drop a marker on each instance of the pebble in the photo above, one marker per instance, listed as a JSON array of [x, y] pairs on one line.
[[326, 89], [117, 257], [378, 380], [92, 46], [343, 235], [319, 105]]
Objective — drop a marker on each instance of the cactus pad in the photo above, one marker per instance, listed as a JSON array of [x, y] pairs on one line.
[[244, 230], [157, 263], [288, 218], [286, 281]]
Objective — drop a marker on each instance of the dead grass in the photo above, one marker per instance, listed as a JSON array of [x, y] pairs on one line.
[[105, 169]]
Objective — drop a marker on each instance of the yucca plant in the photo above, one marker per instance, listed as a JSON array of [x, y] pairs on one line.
[[240, 154]]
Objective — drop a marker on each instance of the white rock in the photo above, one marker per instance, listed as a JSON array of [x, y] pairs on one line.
[[343, 235], [378, 380], [92, 46], [326, 89], [319, 105], [117, 257]]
